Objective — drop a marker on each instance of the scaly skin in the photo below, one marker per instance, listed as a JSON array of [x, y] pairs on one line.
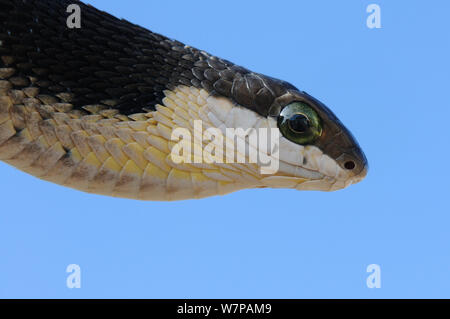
[[94, 109]]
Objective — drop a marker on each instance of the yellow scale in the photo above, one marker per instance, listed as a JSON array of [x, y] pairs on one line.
[[113, 154]]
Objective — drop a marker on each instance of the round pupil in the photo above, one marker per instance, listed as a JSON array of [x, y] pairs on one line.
[[299, 123]]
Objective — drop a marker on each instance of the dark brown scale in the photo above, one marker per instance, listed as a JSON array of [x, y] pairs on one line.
[[240, 91], [223, 87]]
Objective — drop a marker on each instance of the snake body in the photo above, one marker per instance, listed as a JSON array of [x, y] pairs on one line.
[[94, 108]]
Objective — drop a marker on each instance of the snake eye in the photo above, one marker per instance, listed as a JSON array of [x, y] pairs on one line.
[[299, 123]]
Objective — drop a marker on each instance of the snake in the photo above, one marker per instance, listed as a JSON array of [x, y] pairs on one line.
[[95, 107]]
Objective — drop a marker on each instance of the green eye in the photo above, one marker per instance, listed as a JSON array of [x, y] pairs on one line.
[[299, 123]]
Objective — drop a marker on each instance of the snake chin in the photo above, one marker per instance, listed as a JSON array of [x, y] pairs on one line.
[[316, 170]]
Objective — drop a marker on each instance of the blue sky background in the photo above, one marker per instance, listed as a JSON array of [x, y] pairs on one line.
[[390, 86]]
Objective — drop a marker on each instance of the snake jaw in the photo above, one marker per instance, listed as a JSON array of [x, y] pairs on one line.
[[300, 167]]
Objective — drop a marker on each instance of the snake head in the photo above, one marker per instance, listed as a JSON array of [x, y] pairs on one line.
[[313, 149], [315, 145]]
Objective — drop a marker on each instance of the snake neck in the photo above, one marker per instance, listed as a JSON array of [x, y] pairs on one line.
[[97, 152]]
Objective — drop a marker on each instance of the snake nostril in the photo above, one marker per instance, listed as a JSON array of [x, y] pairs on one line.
[[349, 165]]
